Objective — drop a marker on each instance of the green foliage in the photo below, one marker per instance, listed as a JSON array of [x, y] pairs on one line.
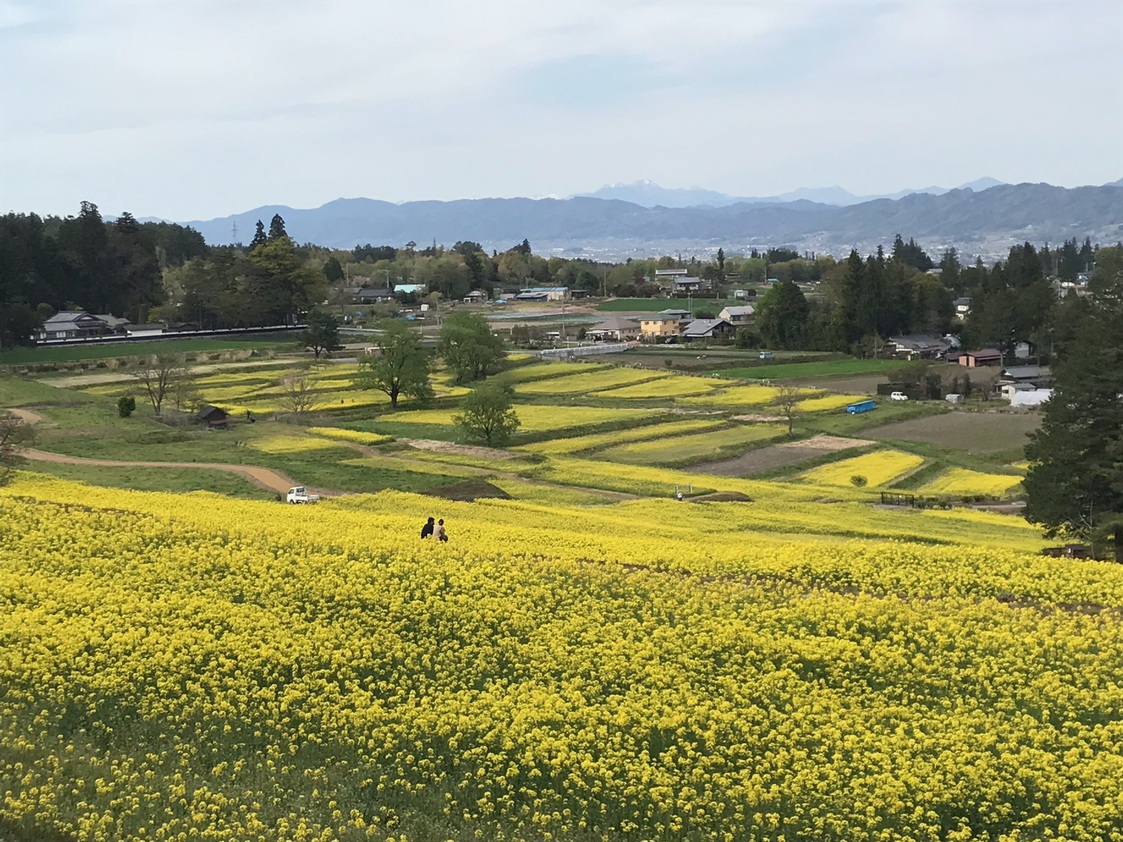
[[781, 316], [1075, 481], [468, 346], [126, 405], [400, 368], [859, 481], [487, 415], [322, 333]]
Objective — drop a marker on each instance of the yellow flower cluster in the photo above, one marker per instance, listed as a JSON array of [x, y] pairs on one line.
[[826, 403], [190, 667], [291, 444], [595, 441], [964, 481], [535, 418], [879, 468], [592, 381], [692, 447], [735, 396], [357, 436], [666, 387]]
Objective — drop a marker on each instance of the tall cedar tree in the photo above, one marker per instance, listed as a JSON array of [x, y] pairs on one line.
[[1074, 485]]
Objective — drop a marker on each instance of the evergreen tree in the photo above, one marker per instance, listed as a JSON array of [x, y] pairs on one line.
[[1074, 485], [276, 228], [259, 236]]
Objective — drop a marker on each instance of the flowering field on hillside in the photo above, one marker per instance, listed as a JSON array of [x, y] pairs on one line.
[[589, 381], [964, 481], [187, 666], [879, 468]]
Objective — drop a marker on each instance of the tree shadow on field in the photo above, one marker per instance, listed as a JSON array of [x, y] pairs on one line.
[[11, 831]]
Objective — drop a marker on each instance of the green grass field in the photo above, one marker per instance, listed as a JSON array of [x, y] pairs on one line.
[[818, 368]]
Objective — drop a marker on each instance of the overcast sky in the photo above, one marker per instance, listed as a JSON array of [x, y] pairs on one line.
[[201, 108]]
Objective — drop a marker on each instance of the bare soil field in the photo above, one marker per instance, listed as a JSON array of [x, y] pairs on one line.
[[778, 456], [975, 432]]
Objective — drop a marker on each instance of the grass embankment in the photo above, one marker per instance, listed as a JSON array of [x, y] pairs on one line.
[[73, 353]]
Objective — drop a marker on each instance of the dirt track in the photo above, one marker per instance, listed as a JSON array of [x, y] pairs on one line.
[[262, 477], [265, 478]]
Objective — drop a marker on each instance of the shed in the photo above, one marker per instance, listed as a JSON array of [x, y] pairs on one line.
[[987, 356], [213, 417]]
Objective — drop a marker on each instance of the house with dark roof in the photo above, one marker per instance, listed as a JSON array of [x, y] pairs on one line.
[[917, 345], [700, 329], [72, 324], [213, 417], [369, 295]]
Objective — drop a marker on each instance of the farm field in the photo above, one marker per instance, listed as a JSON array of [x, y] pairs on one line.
[[588, 658], [316, 673], [817, 368], [687, 448], [581, 381], [975, 432]]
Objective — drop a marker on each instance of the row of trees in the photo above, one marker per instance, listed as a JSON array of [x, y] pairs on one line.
[[49, 264], [863, 301]]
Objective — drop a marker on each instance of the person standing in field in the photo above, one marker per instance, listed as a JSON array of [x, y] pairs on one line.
[[427, 529], [440, 532]]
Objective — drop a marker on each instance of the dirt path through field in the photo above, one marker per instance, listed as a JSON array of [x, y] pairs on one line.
[[265, 478], [461, 449]]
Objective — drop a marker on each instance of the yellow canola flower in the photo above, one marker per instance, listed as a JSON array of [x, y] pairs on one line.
[[193, 667], [964, 481], [879, 468]]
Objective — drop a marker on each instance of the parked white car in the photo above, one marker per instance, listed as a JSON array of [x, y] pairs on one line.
[[299, 494], [898, 396]]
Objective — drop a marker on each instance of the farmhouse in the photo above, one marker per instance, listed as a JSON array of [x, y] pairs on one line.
[[707, 329], [987, 356], [73, 324], [476, 296], [660, 326], [738, 316], [369, 295], [615, 329], [918, 345]]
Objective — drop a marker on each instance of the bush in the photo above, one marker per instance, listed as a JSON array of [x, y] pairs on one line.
[[126, 405], [858, 481]]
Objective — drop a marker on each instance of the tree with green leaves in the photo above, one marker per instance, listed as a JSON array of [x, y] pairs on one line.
[[781, 316], [400, 366], [468, 346], [322, 334], [333, 270], [1074, 486], [487, 415]]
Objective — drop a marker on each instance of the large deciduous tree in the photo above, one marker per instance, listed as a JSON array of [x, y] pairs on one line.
[[469, 347], [1074, 485], [487, 415], [322, 333], [401, 366]]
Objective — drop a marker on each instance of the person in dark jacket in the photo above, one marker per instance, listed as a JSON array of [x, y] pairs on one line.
[[427, 529]]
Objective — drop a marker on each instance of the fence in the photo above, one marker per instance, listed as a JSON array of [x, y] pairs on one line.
[[582, 351]]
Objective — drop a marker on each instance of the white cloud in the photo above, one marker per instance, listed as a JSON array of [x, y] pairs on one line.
[[204, 108]]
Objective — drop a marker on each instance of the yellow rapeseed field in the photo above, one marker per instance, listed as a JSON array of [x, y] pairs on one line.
[[964, 481], [879, 468], [192, 667]]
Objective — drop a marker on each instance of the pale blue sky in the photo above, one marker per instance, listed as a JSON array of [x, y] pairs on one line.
[[204, 108]]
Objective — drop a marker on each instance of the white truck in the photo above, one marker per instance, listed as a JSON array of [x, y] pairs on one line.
[[299, 494]]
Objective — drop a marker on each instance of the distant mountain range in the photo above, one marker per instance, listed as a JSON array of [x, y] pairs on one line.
[[648, 194], [983, 222]]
